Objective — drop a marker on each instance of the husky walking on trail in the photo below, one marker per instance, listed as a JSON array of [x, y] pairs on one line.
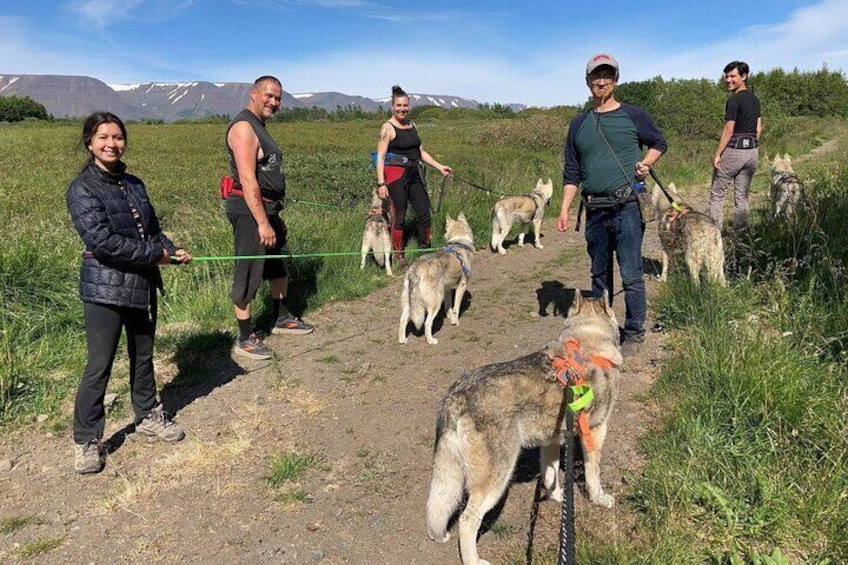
[[524, 208], [690, 235], [786, 189], [489, 414], [431, 278]]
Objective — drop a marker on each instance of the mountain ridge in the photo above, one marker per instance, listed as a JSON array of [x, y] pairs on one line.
[[69, 96]]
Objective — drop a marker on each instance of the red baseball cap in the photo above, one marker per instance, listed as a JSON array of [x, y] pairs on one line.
[[600, 60]]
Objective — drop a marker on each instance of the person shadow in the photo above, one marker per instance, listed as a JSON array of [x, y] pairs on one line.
[[204, 363]]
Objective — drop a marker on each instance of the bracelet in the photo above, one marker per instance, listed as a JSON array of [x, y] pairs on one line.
[[379, 184]]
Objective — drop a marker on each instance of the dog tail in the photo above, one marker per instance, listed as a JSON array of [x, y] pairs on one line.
[[447, 483]]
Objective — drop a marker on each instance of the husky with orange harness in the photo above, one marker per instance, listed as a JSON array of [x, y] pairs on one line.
[[491, 413]]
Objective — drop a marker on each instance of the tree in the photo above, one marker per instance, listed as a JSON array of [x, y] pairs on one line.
[[19, 108]]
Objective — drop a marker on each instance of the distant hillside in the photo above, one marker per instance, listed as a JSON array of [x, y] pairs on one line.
[[74, 96]]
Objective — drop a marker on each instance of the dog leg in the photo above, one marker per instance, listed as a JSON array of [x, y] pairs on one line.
[[549, 466], [387, 257], [364, 253], [428, 326], [537, 231], [482, 497], [664, 274], [448, 307], [457, 301], [694, 265], [404, 313], [592, 463]]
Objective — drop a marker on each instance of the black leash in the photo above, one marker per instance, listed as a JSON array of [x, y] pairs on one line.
[[478, 187], [671, 200], [566, 463]]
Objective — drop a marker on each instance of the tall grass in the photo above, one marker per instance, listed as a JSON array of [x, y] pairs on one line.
[[752, 456]]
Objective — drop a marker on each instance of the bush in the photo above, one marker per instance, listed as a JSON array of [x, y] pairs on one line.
[[19, 108]]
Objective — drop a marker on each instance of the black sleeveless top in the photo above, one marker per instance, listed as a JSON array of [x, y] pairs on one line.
[[269, 169], [406, 142]]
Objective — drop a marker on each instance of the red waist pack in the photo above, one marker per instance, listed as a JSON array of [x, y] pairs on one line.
[[227, 186]]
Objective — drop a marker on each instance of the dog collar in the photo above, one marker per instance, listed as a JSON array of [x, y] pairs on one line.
[[675, 215]]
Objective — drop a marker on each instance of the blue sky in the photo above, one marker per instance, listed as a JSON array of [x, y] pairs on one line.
[[531, 52]]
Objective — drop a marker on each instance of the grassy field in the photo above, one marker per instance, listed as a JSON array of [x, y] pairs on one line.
[[746, 466]]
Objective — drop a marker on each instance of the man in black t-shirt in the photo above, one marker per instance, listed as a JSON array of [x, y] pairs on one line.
[[737, 155]]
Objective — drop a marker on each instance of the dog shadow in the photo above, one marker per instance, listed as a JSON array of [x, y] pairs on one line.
[[529, 241], [553, 295]]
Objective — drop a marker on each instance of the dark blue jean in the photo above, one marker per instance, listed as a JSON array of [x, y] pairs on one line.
[[619, 230]]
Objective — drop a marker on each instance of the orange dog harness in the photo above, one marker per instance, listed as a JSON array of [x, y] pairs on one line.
[[571, 371]]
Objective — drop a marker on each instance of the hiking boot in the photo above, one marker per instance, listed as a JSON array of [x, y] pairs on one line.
[[88, 457], [292, 325], [252, 347], [158, 424]]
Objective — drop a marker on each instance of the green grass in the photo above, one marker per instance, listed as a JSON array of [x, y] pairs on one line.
[[289, 467], [40, 546], [9, 525]]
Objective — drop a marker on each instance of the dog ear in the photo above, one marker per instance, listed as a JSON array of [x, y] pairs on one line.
[[461, 218]]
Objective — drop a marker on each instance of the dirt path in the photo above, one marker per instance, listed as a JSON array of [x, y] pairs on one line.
[[348, 393]]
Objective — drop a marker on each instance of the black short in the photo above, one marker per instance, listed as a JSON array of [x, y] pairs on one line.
[[249, 274]]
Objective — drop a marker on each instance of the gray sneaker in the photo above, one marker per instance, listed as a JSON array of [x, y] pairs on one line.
[[292, 325], [88, 457], [158, 424], [253, 347]]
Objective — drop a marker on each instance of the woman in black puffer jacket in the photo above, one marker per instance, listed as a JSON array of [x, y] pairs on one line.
[[119, 279]]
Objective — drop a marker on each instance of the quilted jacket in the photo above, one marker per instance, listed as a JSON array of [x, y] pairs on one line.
[[119, 265]]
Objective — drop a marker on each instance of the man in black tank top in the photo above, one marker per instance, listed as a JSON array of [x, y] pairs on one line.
[[254, 212], [736, 156]]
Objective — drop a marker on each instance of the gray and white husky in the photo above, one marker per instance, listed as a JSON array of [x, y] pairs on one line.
[[490, 413], [690, 235], [376, 237], [786, 189], [525, 209], [431, 278]]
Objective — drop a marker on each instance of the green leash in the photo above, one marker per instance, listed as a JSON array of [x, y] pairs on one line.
[[290, 255]]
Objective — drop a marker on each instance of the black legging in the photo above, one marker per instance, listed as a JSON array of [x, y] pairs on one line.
[[103, 326], [411, 189]]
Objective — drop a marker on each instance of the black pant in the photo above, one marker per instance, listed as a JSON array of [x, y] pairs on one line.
[[411, 189], [103, 325]]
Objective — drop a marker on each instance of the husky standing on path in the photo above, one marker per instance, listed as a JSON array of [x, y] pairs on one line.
[[786, 189], [431, 278], [524, 208], [376, 237], [491, 413], [690, 234]]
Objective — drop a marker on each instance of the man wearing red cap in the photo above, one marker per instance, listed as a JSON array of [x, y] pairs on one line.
[[603, 159]]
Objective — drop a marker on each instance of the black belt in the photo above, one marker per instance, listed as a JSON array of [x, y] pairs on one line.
[[742, 142]]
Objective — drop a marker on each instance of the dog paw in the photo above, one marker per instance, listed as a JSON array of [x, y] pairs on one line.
[[402, 341], [604, 499], [431, 340], [445, 538], [538, 246], [502, 251], [556, 495]]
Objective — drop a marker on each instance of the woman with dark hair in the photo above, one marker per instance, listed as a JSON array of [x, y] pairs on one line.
[[401, 180], [119, 279]]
